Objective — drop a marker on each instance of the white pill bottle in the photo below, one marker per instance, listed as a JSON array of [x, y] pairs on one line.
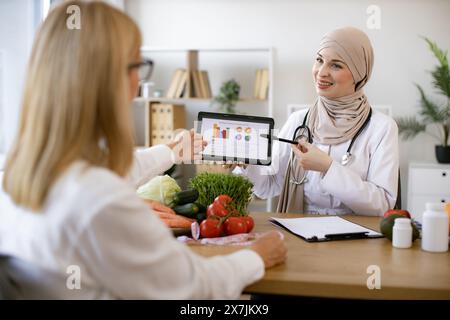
[[402, 233], [435, 228]]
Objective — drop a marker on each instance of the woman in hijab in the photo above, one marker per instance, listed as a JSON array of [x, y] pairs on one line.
[[351, 163]]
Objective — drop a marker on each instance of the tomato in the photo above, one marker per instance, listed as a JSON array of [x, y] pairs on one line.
[[210, 228], [235, 225], [219, 210], [223, 199], [221, 207], [393, 211], [210, 211], [249, 223]]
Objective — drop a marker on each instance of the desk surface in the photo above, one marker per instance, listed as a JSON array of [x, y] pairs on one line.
[[338, 269]]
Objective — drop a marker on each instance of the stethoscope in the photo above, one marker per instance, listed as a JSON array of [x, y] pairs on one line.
[[347, 157]]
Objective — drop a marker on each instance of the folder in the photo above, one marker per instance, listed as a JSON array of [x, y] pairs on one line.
[[318, 229]]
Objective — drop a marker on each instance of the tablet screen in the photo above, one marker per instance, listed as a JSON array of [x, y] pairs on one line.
[[236, 138]]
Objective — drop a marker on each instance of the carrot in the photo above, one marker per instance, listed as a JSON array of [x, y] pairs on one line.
[[179, 222], [165, 215], [156, 206]]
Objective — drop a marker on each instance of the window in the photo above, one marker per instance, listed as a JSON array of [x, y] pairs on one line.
[[2, 101], [15, 47]]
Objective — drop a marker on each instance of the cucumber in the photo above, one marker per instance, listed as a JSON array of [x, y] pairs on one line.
[[189, 210], [201, 216], [184, 197], [201, 208]]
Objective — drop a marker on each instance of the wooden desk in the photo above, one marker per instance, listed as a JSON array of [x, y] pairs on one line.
[[338, 269]]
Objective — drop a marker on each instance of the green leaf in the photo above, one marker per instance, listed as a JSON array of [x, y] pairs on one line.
[[441, 79], [438, 53], [441, 74], [228, 96], [430, 111], [409, 127]]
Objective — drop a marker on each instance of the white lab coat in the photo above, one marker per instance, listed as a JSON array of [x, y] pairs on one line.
[[93, 219], [365, 186]]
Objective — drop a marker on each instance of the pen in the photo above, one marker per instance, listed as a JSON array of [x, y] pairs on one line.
[[343, 236], [279, 139]]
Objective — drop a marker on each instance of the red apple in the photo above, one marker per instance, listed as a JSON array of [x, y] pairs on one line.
[[399, 211]]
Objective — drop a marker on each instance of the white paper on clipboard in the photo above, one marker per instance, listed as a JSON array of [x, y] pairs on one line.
[[319, 227]]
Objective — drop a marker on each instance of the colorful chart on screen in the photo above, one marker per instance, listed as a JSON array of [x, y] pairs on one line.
[[236, 138]]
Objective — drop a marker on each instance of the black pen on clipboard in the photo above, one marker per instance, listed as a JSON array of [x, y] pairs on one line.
[[264, 135], [346, 236]]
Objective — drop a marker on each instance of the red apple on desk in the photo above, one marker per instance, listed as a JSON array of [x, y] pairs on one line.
[[397, 211]]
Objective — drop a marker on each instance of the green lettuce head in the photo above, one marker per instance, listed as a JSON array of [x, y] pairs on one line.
[[160, 188]]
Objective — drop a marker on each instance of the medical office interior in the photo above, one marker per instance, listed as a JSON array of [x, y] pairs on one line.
[[267, 48]]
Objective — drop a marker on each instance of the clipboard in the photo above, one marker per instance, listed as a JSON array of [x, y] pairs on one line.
[[321, 229]]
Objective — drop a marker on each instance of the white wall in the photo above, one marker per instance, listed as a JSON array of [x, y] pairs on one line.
[[294, 29]]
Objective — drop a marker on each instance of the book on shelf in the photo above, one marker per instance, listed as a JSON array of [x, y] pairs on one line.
[[181, 85], [261, 84], [200, 84], [204, 83], [178, 84], [174, 83], [264, 84], [197, 90], [257, 84]]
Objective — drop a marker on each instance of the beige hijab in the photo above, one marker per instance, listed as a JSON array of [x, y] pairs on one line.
[[333, 121]]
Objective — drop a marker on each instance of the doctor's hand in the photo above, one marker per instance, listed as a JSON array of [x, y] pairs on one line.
[[186, 146], [232, 166], [312, 158]]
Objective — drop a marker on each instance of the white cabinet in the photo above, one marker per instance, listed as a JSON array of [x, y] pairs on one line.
[[427, 182]]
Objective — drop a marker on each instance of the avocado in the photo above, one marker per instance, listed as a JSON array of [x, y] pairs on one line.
[[416, 232], [387, 225]]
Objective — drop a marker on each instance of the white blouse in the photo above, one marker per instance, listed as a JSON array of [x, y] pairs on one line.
[[93, 219], [365, 186]]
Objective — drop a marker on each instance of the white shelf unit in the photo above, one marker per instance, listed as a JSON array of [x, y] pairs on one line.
[[222, 64], [214, 61], [427, 182]]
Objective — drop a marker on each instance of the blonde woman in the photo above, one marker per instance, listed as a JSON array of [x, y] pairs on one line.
[[70, 177]]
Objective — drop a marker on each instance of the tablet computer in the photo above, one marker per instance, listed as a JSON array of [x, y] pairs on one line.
[[236, 138]]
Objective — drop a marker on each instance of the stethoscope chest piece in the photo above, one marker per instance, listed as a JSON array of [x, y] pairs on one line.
[[346, 158]]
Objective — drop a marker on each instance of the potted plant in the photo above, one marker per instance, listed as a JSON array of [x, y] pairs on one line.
[[228, 96], [432, 112]]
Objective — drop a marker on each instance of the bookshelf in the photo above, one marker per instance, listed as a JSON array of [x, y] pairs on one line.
[[190, 100], [221, 64]]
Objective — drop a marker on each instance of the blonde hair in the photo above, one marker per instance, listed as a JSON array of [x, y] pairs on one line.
[[76, 100]]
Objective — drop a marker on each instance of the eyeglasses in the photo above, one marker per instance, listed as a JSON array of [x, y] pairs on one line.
[[145, 69]]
